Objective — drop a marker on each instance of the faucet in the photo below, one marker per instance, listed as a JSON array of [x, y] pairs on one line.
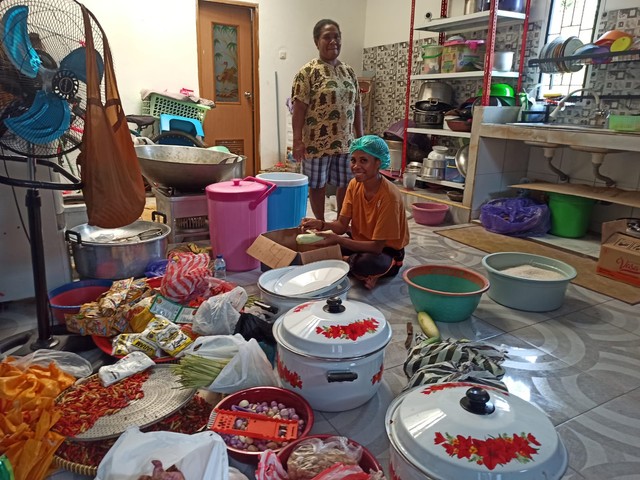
[[601, 115]]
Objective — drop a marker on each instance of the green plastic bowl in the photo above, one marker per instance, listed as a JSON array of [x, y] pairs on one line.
[[447, 293], [499, 90]]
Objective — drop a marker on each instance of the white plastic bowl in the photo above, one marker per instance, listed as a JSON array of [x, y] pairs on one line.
[[530, 295]]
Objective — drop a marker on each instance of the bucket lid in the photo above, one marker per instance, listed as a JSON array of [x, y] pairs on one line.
[[467, 431], [285, 179], [237, 190], [333, 329]]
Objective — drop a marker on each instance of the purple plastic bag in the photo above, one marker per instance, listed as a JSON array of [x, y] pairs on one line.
[[517, 217]]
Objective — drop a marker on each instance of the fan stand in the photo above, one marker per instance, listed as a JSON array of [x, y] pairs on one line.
[[33, 202]]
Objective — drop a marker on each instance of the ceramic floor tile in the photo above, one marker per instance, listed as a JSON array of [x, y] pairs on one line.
[[561, 391], [605, 442], [617, 313], [604, 351]]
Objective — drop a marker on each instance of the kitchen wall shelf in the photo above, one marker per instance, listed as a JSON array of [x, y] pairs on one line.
[[444, 183], [463, 75], [439, 132], [473, 21], [588, 58]]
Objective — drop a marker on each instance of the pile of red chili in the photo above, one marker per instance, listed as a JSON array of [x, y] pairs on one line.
[[82, 405], [189, 419]]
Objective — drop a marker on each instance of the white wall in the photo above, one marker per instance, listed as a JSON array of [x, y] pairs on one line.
[[154, 47], [154, 44]]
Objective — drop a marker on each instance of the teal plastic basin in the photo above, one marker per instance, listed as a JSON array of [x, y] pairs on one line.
[[447, 293], [530, 295]]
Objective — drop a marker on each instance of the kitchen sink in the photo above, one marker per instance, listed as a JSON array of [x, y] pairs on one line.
[[563, 126]]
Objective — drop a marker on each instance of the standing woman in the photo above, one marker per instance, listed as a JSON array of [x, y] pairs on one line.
[[373, 212], [327, 117]]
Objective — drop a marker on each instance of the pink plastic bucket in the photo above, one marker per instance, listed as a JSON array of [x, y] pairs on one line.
[[237, 216]]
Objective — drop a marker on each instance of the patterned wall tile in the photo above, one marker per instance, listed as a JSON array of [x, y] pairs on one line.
[[390, 65]]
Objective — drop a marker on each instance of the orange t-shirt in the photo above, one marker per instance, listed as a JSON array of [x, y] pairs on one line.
[[381, 218]]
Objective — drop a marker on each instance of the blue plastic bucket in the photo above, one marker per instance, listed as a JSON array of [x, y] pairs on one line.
[[287, 205]]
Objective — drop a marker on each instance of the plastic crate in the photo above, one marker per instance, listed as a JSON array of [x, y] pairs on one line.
[[624, 123], [156, 105]]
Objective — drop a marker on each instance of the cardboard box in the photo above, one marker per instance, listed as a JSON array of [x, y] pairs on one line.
[[278, 248], [619, 253]]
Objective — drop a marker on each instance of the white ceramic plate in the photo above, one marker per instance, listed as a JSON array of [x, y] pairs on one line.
[[313, 278]]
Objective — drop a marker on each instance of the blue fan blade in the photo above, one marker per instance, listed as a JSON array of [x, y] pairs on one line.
[[46, 120], [76, 62], [16, 42]]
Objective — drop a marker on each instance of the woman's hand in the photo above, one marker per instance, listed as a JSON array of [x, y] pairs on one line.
[[298, 151], [311, 224]]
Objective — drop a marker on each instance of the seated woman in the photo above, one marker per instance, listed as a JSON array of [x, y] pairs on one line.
[[373, 216]]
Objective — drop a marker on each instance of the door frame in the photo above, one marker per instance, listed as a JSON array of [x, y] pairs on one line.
[[255, 76]]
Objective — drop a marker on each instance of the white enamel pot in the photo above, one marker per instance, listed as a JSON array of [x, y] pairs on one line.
[[466, 431], [331, 352], [283, 303]]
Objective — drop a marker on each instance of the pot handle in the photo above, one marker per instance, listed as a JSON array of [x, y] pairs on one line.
[[341, 376], [271, 186], [70, 233], [156, 213]]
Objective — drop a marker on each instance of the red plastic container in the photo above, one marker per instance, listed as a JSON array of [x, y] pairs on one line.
[[267, 394], [368, 462], [68, 298], [429, 213]]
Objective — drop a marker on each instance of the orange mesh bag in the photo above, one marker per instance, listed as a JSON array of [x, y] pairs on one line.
[[113, 187]]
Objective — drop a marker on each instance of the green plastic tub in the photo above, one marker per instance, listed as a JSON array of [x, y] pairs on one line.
[[528, 294], [570, 214], [447, 293]]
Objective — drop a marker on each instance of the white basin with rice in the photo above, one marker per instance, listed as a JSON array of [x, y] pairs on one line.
[[528, 282]]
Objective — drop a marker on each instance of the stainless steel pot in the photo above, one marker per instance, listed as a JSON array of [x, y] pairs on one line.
[[117, 253], [434, 89], [332, 352]]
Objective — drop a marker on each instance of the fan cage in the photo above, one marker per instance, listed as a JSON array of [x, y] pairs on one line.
[[55, 29]]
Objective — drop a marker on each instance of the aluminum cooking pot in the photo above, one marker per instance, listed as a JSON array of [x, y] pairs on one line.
[[117, 253], [187, 169], [467, 431], [433, 89]]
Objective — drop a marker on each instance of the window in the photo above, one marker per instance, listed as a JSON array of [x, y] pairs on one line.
[[569, 18]]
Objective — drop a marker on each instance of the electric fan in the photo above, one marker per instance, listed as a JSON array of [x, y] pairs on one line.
[[43, 85]]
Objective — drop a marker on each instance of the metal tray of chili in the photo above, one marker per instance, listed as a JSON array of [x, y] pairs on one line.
[[92, 412]]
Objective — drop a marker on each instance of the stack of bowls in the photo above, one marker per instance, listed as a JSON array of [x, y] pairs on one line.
[[267, 286]]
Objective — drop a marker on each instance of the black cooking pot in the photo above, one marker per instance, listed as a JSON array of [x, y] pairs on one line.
[[423, 118], [432, 105]]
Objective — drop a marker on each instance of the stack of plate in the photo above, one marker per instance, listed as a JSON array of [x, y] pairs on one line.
[[560, 48], [288, 287]]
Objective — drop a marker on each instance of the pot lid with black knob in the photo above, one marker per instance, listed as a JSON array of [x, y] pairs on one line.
[[333, 329], [467, 431], [432, 105]]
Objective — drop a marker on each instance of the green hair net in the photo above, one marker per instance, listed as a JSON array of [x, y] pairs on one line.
[[373, 145]]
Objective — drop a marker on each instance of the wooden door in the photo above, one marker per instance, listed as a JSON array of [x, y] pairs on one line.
[[228, 73]]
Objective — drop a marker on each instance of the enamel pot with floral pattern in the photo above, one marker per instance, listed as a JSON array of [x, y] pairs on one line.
[[468, 431], [331, 352]]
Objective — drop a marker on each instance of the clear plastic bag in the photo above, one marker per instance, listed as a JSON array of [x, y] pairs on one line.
[[249, 368], [220, 314], [68, 362], [518, 217], [315, 455]]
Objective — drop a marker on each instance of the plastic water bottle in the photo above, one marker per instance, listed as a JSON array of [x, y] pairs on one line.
[[220, 268]]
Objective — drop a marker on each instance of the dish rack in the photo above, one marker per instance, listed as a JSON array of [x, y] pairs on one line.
[[158, 104]]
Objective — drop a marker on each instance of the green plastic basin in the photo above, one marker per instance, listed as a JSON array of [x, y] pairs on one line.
[[447, 293]]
